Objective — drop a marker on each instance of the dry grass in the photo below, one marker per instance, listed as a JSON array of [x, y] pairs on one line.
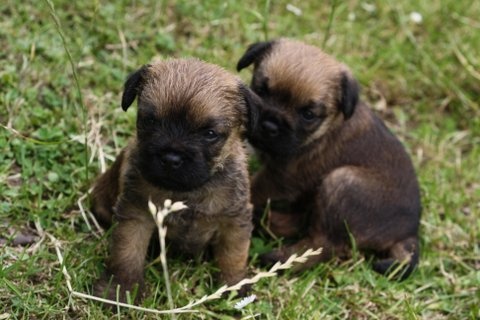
[[421, 77]]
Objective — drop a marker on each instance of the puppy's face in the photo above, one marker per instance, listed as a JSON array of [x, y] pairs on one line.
[[190, 116], [305, 94]]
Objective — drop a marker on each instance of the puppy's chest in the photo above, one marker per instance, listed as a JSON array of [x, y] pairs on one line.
[[298, 178], [191, 230]]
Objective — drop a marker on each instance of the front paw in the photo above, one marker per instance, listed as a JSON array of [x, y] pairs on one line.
[[113, 290], [244, 290], [285, 225], [270, 258]]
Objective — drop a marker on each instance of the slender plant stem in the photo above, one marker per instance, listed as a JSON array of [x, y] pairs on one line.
[[77, 82], [266, 18], [330, 22], [162, 233]]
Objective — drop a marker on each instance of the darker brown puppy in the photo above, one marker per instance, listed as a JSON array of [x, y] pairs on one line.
[[188, 147], [330, 166]]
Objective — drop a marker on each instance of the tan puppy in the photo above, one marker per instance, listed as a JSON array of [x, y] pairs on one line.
[[330, 166], [188, 147]]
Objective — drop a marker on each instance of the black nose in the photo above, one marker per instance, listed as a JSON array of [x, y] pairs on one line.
[[172, 160], [270, 128]]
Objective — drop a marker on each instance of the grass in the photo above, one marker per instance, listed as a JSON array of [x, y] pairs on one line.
[[422, 78]]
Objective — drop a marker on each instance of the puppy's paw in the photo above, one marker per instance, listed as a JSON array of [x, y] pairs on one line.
[[244, 290], [241, 293], [116, 292], [270, 258], [393, 269]]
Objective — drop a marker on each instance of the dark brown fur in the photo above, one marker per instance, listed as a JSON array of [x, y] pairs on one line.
[[337, 169], [176, 156]]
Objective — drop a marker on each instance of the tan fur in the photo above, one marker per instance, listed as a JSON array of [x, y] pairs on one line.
[[292, 60], [164, 80], [219, 211], [346, 175]]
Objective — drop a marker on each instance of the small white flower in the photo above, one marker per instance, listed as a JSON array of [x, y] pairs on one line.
[[416, 17], [295, 10], [245, 301], [352, 16], [369, 7], [177, 206]]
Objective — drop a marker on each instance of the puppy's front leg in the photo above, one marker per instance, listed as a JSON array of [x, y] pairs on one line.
[[284, 223], [231, 251], [106, 191], [129, 244], [264, 187]]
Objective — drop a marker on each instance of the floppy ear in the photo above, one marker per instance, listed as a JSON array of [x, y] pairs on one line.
[[254, 53], [132, 86], [252, 105], [349, 92]]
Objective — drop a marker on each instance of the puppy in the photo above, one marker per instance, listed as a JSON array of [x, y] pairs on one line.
[[191, 121], [330, 166]]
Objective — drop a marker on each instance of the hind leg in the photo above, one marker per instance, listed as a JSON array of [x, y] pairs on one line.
[[105, 193], [353, 202], [376, 213], [326, 223]]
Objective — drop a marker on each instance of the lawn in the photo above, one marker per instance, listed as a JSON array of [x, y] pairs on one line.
[[62, 69]]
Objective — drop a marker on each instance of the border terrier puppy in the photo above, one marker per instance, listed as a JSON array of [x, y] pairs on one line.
[[191, 119], [330, 166]]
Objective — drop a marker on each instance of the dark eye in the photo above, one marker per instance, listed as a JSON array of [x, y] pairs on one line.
[[210, 135], [307, 114]]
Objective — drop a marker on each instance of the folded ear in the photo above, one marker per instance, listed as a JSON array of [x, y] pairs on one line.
[[132, 86], [252, 105], [349, 93], [254, 53]]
